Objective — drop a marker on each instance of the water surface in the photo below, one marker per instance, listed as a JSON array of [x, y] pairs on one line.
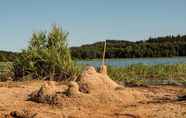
[[129, 61]]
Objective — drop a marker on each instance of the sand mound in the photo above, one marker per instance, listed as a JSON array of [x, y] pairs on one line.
[[92, 88], [97, 81], [46, 93]]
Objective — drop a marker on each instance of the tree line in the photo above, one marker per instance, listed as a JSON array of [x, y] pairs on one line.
[[8, 56], [167, 46]]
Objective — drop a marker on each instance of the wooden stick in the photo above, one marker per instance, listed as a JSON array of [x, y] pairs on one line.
[[103, 61]]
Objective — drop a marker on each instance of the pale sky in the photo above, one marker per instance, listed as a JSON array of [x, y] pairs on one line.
[[89, 21]]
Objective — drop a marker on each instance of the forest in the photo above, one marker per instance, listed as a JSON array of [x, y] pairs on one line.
[[166, 46]]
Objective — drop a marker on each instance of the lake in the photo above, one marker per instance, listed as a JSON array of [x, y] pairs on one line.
[[129, 61]]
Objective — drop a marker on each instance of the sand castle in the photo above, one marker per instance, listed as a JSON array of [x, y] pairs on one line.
[[91, 87], [97, 81]]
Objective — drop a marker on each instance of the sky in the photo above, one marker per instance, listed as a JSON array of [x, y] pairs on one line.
[[89, 21]]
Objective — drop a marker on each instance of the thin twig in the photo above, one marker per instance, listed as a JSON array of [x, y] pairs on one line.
[[103, 60]]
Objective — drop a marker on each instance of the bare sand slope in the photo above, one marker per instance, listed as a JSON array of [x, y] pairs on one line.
[[157, 104], [95, 95]]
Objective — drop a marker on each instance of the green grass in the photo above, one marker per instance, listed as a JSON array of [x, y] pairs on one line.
[[5, 70], [4, 65], [139, 74]]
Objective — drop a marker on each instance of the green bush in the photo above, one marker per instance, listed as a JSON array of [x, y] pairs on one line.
[[47, 56]]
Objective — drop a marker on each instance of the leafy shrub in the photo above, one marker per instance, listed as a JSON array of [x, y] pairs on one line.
[[47, 56]]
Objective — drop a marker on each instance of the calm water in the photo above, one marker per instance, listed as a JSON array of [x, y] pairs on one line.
[[129, 61]]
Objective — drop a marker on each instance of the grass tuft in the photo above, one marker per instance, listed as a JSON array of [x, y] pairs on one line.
[[141, 74]]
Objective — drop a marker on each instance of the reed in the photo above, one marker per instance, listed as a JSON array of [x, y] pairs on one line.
[[139, 73]]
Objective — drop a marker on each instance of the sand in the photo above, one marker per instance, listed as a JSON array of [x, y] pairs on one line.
[[94, 95]]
